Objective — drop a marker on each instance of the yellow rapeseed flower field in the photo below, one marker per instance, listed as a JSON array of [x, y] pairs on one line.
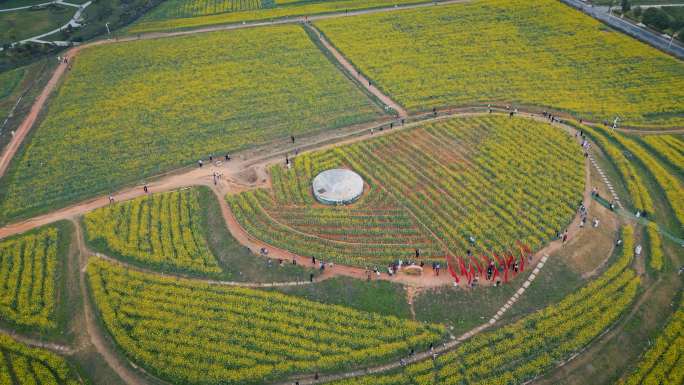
[[180, 14], [32, 365], [187, 332], [522, 350], [518, 52], [130, 110]]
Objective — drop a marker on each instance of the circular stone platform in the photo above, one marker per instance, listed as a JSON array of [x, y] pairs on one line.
[[337, 187]]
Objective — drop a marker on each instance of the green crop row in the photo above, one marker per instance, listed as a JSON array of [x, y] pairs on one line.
[[193, 333]]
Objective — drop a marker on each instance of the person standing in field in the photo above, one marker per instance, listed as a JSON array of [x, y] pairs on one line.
[[292, 138], [111, 199], [145, 189], [200, 163]]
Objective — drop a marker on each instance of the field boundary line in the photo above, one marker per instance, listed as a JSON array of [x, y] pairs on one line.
[[101, 340], [37, 343], [296, 231], [350, 69], [207, 281], [425, 355]]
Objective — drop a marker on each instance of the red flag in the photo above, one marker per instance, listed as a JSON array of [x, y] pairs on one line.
[[450, 267], [496, 273], [522, 262], [510, 262], [472, 272], [499, 260], [525, 251], [480, 270], [506, 275], [464, 272]]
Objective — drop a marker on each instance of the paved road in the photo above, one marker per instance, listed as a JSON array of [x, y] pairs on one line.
[[26, 7], [644, 6], [628, 28], [73, 22]]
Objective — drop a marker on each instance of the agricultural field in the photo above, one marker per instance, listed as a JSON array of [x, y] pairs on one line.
[[160, 230], [20, 364], [559, 238], [174, 9], [667, 179], [193, 333], [670, 147], [526, 348], [431, 188], [663, 363], [29, 265], [187, 97], [542, 54], [184, 14]]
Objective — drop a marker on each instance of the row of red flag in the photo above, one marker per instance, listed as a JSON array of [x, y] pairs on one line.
[[469, 268]]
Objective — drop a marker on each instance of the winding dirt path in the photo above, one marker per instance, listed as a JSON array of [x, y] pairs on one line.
[[129, 373], [39, 104], [233, 182], [36, 343], [320, 278]]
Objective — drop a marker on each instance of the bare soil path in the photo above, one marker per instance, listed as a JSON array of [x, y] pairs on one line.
[[42, 99], [36, 343], [126, 370], [365, 82], [38, 105], [233, 182]]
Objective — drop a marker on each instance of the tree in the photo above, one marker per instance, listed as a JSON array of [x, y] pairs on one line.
[[626, 6], [656, 18]]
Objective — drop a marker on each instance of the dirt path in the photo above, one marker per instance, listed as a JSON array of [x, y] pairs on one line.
[[362, 80], [580, 359], [208, 281], [234, 182], [239, 233], [36, 343], [38, 105], [126, 370]]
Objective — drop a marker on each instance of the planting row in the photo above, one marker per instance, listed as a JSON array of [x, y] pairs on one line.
[[193, 333], [465, 184]]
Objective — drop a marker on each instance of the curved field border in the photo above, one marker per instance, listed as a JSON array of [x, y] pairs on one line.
[[127, 370], [203, 177]]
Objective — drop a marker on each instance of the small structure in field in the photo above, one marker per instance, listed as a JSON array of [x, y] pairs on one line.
[[337, 187]]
